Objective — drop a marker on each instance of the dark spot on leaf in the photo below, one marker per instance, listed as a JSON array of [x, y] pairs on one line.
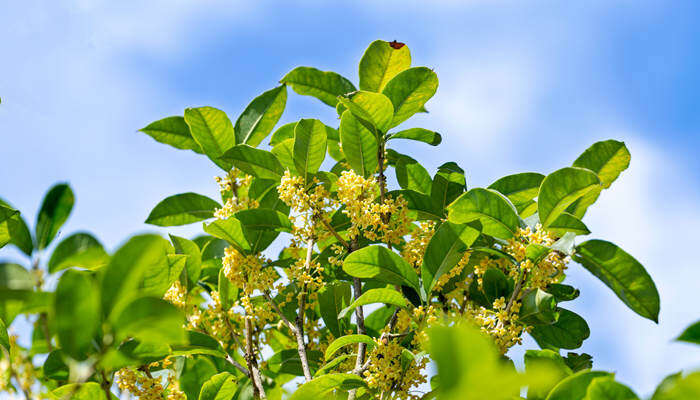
[[396, 45]]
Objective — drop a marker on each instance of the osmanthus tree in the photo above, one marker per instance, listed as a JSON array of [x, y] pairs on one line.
[[311, 281]]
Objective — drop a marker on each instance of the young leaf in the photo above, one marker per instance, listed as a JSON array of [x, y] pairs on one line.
[[332, 298], [386, 296], [55, 209], [419, 134], [382, 264], [605, 388], [691, 334], [568, 332], [151, 320], [77, 313], [561, 188], [359, 145], [380, 63], [621, 273], [78, 250], [172, 131], [373, 110], [409, 91], [497, 216], [519, 188], [324, 385], [182, 209], [325, 86], [256, 162], [221, 386], [343, 341], [261, 115], [309, 145], [445, 249], [213, 131], [575, 386], [448, 183]]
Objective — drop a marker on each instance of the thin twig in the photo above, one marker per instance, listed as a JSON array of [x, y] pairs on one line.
[[516, 290], [284, 318], [335, 233], [258, 390], [301, 345]]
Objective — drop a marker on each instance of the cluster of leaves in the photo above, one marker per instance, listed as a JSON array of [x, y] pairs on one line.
[[368, 286]]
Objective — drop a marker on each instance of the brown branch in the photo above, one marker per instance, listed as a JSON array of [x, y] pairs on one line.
[[258, 390], [299, 333], [336, 234]]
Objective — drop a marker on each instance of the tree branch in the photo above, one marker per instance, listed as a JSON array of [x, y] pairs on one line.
[[299, 333], [258, 390]]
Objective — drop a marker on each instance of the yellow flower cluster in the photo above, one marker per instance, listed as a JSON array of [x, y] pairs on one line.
[[311, 277], [138, 384], [456, 270], [18, 366], [247, 272], [415, 246], [386, 374], [501, 324], [387, 221], [308, 205], [548, 270], [176, 294], [234, 205]]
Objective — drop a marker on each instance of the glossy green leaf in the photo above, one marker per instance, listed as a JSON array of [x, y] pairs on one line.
[[77, 313], [536, 252], [568, 332], [412, 175], [373, 110], [561, 188], [607, 159], [372, 296], [158, 278], [182, 209], [566, 222], [124, 272], [519, 188], [605, 388], [213, 131], [382, 62], [621, 273], [172, 131], [324, 385], [16, 227], [230, 230], [562, 292], [382, 264], [256, 162], [359, 145], [448, 184], [54, 211], [332, 298], [497, 216], [578, 362], [55, 367], [264, 219], [221, 386], [346, 340], [6, 214], [284, 151], [261, 115], [409, 90], [445, 250], [537, 360], [193, 264], [284, 132], [495, 285], [419, 134], [575, 386], [538, 308], [152, 320], [80, 250], [419, 203], [309, 145], [325, 86], [691, 334]]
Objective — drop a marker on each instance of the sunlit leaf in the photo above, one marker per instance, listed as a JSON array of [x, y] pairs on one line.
[[380, 63], [213, 131], [325, 86], [182, 209], [54, 211]]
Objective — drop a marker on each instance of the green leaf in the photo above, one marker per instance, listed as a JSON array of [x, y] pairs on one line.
[[359, 145], [691, 334], [409, 91], [519, 188], [332, 298], [561, 188], [193, 264], [80, 250], [54, 367], [536, 252], [497, 216], [126, 268], [445, 250], [382, 62], [230, 230], [195, 374], [182, 209], [77, 313], [219, 387], [284, 151], [80, 391], [17, 229], [343, 341], [172, 131], [284, 132], [566, 222], [372, 296], [325, 86], [15, 276], [607, 159], [151, 320], [605, 388], [264, 219], [55, 209], [4, 337], [309, 145], [419, 134], [261, 115], [448, 183], [325, 384], [420, 203], [621, 273], [382, 264], [495, 285], [159, 277], [568, 332], [373, 110], [578, 362], [213, 131], [6, 215], [411, 175], [574, 387], [538, 360], [538, 308], [562, 292], [256, 162]]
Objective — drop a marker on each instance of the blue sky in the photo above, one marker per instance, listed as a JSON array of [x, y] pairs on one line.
[[524, 86]]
